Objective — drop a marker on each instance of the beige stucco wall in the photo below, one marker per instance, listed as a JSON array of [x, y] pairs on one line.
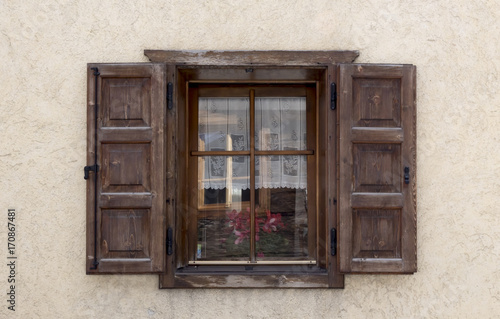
[[44, 48]]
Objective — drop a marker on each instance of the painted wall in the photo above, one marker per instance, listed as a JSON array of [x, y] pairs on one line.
[[44, 48]]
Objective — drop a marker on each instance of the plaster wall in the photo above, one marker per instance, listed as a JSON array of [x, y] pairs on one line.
[[44, 49]]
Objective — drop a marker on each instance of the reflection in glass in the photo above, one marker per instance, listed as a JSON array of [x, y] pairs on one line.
[[282, 218], [223, 209], [223, 124], [282, 207], [280, 124]]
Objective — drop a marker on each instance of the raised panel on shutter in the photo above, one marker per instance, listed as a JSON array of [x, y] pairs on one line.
[[377, 208], [130, 228]]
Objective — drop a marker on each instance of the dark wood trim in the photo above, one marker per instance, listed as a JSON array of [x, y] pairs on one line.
[[252, 176], [193, 168], [251, 281], [312, 174], [313, 76], [171, 176], [247, 153], [281, 58], [255, 82], [336, 279]]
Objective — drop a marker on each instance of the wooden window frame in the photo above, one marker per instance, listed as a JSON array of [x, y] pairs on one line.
[[237, 89], [251, 67]]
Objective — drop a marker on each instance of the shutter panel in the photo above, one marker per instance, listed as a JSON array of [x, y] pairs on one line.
[[377, 143], [130, 189]]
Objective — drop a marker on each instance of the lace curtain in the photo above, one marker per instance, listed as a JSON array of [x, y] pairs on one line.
[[280, 124]]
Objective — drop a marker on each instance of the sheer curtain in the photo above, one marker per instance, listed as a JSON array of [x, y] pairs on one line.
[[280, 124]]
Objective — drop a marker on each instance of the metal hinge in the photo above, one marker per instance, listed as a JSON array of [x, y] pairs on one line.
[[87, 169], [170, 93], [333, 96], [170, 241], [333, 241]]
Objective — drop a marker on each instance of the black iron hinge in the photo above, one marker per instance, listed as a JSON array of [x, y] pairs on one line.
[[170, 241], [333, 241], [87, 169], [333, 96], [170, 93]]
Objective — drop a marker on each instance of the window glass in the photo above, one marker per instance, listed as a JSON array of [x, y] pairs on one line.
[[275, 171]]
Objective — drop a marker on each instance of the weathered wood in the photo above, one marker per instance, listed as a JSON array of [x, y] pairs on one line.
[[314, 235], [282, 58], [171, 185], [377, 200], [372, 135], [257, 153], [377, 141], [255, 75], [252, 176], [132, 200], [328, 124], [131, 158], [316, 238], [137, 135], [251, 281], [220, 153]]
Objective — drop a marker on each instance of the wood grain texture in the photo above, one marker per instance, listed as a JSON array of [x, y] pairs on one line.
[[131, 157], [252, 281], [282, 58], [377, 142], [190, 82]]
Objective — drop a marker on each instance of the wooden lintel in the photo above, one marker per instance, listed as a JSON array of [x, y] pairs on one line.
[[245, 58]]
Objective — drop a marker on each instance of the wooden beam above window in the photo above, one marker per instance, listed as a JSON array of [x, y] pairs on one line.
[[258, 58]]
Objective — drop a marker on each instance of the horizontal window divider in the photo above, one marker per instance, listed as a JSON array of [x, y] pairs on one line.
[[219, 153], [248, 262], [257, 153], [114, 260], [304, 152], [242, 82], [127, 194]]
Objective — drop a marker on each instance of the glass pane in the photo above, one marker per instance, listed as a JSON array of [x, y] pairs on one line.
[[280, 124], [223, 208], [282, 208], [282, 223], [223, 124], [281, 171]]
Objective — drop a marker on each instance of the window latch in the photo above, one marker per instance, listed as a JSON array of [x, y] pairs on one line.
[[170, 241], [407, 175], [333, 96], [333, 241], [87, 169]]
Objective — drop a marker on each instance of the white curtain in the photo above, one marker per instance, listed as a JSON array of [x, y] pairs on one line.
[[280, 124]]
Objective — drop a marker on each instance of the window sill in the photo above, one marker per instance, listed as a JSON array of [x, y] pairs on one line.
[[246, 280]]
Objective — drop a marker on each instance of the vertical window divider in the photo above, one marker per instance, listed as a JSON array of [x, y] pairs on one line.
[[252, 177]]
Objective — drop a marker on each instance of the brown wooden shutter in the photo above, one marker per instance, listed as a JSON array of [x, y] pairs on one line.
[[130, 190], [377, 144]]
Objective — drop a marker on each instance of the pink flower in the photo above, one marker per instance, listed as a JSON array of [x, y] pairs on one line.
[[241, 236], [239, 224], [272, 223]]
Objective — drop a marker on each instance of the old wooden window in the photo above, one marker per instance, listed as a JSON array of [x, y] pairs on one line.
[[248, 158], [251, 169]]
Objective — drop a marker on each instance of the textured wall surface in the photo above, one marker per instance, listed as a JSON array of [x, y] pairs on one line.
[[44, 49]]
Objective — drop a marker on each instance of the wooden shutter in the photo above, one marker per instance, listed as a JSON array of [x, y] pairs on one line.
[[377, 144], [129, 191]]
